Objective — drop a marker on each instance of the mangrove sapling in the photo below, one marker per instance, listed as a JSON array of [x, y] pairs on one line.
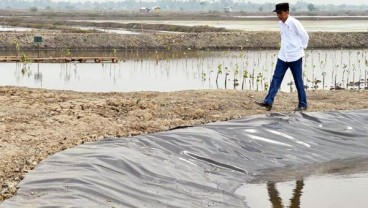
[[323, 79], [251, 81], [266, 85], [335, 71], [25, 67], [304, 81], [18, 49], [313, 77], [23, 58], [353, 84], [204, 76], [65, 51], [258, 80], [219, 71], [236, 73], [366, 71], [245, 76], [290, 84], [209, 76], [316, 82], [226, 74]]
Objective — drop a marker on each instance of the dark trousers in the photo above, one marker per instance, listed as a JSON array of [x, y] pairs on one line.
[[278, 76]]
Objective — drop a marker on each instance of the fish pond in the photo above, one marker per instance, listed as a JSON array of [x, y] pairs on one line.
[[185, 70]]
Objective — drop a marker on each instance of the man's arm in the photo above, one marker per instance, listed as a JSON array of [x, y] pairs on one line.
[[302, 33]]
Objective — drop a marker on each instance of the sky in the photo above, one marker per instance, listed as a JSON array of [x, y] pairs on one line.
[[336, 2]]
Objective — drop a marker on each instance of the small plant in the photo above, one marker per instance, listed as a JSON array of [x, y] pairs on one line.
[[245, 76], [236, 73], [266, 85], [316, 82], [65, 51], [219, 71], [226, 74], [323, 82], [204, 76], [23, 58], [259, 79], [113, 52], [290, 84], [236, 70], [17, 47], [251, 80]]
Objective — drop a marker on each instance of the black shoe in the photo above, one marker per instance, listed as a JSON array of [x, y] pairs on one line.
[[301, 108], [265, 105]]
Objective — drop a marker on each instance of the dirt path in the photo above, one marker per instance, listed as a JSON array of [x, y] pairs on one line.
[[36, 123]]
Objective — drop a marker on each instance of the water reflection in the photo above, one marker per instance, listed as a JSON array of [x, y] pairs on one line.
[[335, 184], [276, 200], [355, 25], [187, 70]]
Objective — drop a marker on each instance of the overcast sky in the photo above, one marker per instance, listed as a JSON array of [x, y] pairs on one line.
[[336, 2]]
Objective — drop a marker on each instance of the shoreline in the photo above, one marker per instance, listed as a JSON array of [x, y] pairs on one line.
[[36, 123]]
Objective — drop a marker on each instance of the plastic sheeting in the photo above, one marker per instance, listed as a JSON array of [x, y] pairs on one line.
[[191, 167]]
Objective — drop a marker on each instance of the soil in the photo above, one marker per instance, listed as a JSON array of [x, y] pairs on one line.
[[171, 41], [36, 123]]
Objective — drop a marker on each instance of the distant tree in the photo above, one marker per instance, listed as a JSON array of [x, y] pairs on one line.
[[33, 9], [260, 8], [311, 7], [293, 9], [48, 8], [202, 3]]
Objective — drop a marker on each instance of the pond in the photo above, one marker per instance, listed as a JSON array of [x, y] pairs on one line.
[[187, 70], [325, 25]]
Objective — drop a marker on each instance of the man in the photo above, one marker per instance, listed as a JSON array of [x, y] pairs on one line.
[[294, 39]]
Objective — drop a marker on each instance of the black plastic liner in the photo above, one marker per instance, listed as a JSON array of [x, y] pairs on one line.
[[191, 167]]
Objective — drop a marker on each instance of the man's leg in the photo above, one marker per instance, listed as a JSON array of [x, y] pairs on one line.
[[277, 78], [297, 71]]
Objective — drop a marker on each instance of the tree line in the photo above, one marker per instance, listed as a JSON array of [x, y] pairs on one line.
[[172, 5]]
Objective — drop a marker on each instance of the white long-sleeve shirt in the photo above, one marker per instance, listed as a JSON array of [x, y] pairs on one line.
[[294, 39]]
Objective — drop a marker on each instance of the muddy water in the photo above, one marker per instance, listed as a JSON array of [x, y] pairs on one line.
[[186, 70]]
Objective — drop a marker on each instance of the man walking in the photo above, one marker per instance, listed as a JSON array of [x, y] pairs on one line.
[[294, 39]]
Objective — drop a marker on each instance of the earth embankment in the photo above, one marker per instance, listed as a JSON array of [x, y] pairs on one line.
[[176, 41]]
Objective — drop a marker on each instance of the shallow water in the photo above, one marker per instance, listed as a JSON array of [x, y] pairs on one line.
[[109, 30], [264, 25], [343, 185], [327, 191], [187, 70], [5, 28]]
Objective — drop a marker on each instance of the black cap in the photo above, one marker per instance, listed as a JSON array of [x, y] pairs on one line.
[[282, 7]]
